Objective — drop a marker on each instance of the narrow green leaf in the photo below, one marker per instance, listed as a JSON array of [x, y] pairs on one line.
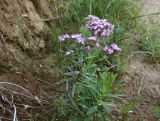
[[91, 110]]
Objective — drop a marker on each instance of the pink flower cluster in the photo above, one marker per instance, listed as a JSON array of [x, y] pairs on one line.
[[80, 39], [100, 27], [114, 47]]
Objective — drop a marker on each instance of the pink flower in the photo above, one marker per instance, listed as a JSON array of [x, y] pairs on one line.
[[63, 37], [97, 45], [89, 49], [105, 48], [66, 36], [80, 39], [115, 47], [110, 51], [92, 38]]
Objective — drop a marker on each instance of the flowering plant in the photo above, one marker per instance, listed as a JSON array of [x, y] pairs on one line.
[[88, 80], [99, 31]]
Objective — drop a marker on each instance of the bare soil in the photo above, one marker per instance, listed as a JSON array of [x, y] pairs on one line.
[[24, 73], [143, 84], [143, 74], [27, 92]]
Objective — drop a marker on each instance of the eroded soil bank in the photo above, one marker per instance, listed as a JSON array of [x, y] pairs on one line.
[[24, 66]]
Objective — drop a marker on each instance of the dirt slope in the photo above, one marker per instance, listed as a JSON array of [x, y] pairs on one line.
[[24, 33], [22, 26]]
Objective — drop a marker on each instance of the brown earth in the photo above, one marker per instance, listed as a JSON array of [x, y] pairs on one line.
[[24, 69], [24, 34], [22, 22], [143, 75], [143, 84]]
